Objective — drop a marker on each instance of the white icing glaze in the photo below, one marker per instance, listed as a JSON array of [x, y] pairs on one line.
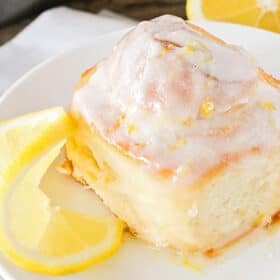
[[146, 97]]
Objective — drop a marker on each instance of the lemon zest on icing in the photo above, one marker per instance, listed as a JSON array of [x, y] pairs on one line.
[[207, 108], [268, 105]]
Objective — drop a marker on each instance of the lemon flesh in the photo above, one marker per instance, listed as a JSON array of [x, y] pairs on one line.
[[23, 138], [260, 13], [35, 234]]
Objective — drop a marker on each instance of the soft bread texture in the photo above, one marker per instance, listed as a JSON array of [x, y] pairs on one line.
[[243, 195], [237, 194]]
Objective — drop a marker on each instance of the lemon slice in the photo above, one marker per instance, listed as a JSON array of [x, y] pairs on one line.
[[260, 13], [34, 234], [49, 239], [23, 138]]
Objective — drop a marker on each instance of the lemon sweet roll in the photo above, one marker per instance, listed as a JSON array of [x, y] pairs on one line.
[[178, 133]]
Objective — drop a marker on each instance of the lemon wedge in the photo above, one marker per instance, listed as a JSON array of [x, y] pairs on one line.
[[23, 138], [35, 234], [260, 13]]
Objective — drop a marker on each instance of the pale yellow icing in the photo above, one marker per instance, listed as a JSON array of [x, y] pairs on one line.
[[179, 101]]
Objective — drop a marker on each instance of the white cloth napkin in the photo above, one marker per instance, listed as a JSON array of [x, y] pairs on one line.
[[51, 33]]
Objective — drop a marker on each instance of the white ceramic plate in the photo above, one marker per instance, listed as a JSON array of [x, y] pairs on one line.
[[52, 83]]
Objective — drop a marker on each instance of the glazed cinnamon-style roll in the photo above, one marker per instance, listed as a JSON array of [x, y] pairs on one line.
[[178, 133]]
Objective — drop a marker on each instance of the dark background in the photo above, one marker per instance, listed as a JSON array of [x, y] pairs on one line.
[[15, 14]]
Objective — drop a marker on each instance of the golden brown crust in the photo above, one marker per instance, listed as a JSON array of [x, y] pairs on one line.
[[85, 77], [215, 252], [225, 161], [205, 33], [212, 253], [269, 78]]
